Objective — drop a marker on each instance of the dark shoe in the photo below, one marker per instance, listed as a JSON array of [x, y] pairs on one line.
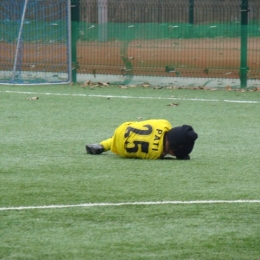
[[94, 148]]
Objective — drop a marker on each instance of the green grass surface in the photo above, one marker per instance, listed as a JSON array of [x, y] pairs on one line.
[[43, 162]]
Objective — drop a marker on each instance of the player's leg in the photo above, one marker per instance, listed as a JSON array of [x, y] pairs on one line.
[[116, 142], [106, 144]]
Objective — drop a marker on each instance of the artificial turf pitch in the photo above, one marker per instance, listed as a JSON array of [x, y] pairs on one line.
[[43, 162]]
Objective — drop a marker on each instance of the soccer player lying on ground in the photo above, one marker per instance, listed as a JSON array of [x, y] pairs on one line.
[[150, 139]]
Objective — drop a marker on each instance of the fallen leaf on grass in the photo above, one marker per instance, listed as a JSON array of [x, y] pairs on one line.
[[146, 85], [173, 87], [257, 89], [173, 104], [33, 98], [202, 87], [103, 83], [88, 83], [228, 88]]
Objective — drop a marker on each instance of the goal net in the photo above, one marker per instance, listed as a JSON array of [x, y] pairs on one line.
[[34, 41]]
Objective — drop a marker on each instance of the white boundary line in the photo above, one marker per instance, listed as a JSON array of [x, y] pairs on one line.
[[87, 205], [132, 97]]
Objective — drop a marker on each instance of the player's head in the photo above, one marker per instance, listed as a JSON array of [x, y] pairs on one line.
[[181, 140]]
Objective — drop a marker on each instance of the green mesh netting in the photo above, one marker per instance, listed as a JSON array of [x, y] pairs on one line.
[[148, 31]]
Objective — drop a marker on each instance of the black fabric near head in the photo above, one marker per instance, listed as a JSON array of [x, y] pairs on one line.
[[181, 141]]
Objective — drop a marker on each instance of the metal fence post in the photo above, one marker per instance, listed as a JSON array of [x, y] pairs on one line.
[[191, 12], [74, 38], [102, 20], [244, 34], [191, 17]]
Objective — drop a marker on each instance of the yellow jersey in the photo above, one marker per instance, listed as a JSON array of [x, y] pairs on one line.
[[144, 139]]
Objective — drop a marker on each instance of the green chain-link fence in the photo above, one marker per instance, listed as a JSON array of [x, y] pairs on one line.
[[180, 39], [169, 38]]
